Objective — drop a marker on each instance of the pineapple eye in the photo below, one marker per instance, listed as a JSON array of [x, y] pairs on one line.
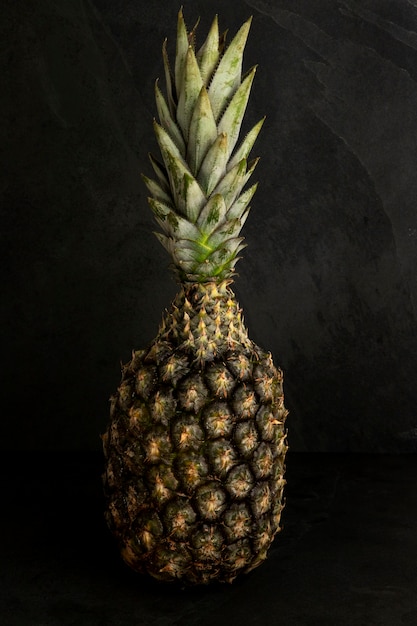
[[246, 437], [139, 418], [222, 456], [263, 461], [162, 406], [220, 380], [179, 516], [157, 446], [239, 481], [240, 366], [161, 482], [260, 497], [238, 521], [187, 433], [267, 423], [238, 554], [210, 500], [125, 395], [207, 543], [245, 403], [145, 381], [191, 470], [193, 393], [218, 420]]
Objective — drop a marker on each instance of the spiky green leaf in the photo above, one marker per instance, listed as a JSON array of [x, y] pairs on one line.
[[156, 190], [197, 198], [167, 242], [181, 52], [220, 264], [231, 184], [188, 96], [186, 252], [241, 203], [161, 173], [209, 53], [173, 224], [167, 121], [213, 167], [203, 131], [231, 119], [252, 166], [187, 193], [167, 144], [194, 198], [246, 145], [227, 76], [212, 215], [226, 231], [168, 80], [177, 173], [229, 248]]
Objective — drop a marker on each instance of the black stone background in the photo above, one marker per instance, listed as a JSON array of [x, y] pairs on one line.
[[327, 283]]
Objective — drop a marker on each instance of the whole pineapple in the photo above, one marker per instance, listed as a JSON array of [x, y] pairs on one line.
[[195, 446]]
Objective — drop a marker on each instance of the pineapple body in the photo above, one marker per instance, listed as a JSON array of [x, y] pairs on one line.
[[196, 445]]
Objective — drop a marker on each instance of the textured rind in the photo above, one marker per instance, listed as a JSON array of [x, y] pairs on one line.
[[196, 445]]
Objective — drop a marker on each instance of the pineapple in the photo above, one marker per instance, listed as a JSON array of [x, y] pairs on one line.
[[195, 445]]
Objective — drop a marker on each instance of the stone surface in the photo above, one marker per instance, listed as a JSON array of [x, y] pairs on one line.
[[328, 282]]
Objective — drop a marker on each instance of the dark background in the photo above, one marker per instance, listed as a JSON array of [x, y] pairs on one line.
[[328, 281]]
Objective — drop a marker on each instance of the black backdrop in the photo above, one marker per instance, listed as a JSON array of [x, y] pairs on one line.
[[328, 282]]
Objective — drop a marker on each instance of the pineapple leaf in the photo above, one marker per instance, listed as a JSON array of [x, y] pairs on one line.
[[225, 232], [229, 248], [208, 55], [168, 80], [167, 242], [167, 144], [177, 172], [186, 252], [171, 223], [187, 193], [212, 214], [213, 167], [203, 131], [191, 87], [166, 120], [252, 166], [232, 183], [246, 145], [194, 198], [186, 268], [227, 76], [181, 52], [197, 196], [221, 261], [231, 120], [156, 190], [240, 204], [161, 173]]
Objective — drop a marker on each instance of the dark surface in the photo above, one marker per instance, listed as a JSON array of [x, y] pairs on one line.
[[328, 281], [346, 557]]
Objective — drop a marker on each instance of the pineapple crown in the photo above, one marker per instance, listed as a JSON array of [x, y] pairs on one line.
[[197, 197]]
